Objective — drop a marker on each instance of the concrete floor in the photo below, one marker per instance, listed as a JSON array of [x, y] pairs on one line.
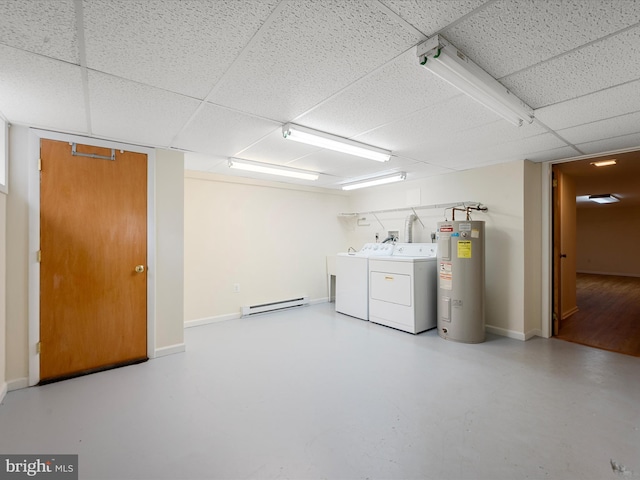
[[309, 394]]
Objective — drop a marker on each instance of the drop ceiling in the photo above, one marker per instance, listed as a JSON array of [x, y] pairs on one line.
[[218, 79]]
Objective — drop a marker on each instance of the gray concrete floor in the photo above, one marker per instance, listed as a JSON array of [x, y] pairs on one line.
[[308, 394]]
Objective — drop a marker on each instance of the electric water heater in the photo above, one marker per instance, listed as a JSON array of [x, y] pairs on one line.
[[461, 280]]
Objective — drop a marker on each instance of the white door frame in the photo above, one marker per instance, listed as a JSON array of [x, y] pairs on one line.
[[547, 234], [35, 136]]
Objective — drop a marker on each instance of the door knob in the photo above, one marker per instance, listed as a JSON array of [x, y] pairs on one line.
[[139, 268]]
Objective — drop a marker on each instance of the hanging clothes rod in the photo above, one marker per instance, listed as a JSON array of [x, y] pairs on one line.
[[418, 207]]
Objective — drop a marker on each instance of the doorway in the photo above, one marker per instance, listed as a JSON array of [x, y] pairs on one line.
[[602, 305]]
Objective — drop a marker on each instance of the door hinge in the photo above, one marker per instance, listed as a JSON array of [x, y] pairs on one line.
[[555, 182], [40, 164], [38, 347], [39, 256]]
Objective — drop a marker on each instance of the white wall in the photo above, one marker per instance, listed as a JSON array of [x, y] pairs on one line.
[[3, 291], [169, 251], [532, 249], [501, 189], [17, 256], [270, 238], [608, 239], [168, 220]]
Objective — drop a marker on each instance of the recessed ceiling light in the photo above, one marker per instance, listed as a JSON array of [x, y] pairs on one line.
[[603, 198], [603, 163]]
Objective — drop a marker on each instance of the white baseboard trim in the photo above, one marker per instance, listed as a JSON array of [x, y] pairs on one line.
[[206, 321], [3, 391], [505, 333], [170, 350], [536, 332], [17, 384], [233, 316], [615, 274]]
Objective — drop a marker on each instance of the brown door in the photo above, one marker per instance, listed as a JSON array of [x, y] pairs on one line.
[[564, 247], [557, 244], [93, 235]]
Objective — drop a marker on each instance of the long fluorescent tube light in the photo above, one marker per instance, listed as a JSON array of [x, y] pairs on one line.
[[603, 163], [271, 170], [604, 198], [396, 177], [332, 142], [453, 66]]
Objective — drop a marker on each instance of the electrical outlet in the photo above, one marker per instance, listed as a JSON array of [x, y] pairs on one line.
[[393, 233], [236, 288]]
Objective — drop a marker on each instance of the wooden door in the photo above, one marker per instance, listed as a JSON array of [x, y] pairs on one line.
[[93, 235], [557, 244]]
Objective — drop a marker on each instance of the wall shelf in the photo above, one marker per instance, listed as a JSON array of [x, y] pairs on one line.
[[417, 207], [472, 205]]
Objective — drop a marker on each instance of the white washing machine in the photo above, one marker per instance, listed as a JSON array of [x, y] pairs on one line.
[[352, 279], [403, 288]]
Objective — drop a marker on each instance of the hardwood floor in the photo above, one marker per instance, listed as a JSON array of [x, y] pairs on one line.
[[608, 315]]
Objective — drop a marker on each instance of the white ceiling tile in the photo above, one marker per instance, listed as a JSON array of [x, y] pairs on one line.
[[599, 66], [508, 35], [600, 105], [552, 154], [500, 153], [138, 113], [54, 100], [422, 170], [370, 102], [40, 26], [611, 127], [611, 144], [310, 51], [223, 132], [201, 162], [183, 46], [454, 144], [430, 16], [274, 148], [450, 117]]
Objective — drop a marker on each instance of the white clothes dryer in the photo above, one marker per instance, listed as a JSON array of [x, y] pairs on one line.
[[352, 279], [403, 288]]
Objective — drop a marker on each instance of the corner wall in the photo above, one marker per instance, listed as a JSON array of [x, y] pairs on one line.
[[169, 262], [532, 249], [270, 240], [498, 187], [3, 291]]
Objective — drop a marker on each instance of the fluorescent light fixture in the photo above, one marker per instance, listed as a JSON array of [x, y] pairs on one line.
[[603, 163], [395, 177], [332, 142], [271, 170], [604, 198], [453, 66]]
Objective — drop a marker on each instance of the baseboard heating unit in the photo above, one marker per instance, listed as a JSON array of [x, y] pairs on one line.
[[270, 307]]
